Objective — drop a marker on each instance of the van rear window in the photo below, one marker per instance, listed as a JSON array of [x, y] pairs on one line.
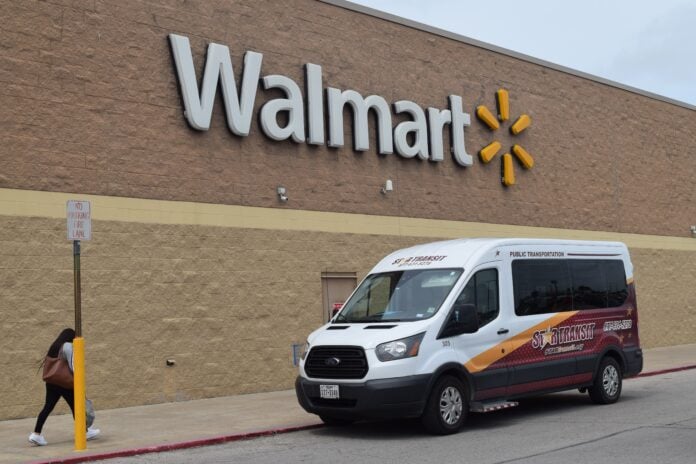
[[553, 285]]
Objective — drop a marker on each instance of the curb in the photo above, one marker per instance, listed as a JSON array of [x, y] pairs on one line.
[[667, 371], [237, 437], [174, 446]]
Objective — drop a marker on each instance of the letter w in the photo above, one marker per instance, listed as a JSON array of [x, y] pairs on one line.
[[199, 107]]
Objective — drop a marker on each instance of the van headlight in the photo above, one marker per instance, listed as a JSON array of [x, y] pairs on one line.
[[304, 350], [399, 349]]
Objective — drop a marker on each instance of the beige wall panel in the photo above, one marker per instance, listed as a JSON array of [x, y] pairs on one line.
[[666, 296], [225, 303]]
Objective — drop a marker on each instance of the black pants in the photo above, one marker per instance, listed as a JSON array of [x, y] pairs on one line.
[[53, 394]]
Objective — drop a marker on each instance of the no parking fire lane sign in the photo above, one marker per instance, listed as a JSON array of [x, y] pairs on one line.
[[79, 220]]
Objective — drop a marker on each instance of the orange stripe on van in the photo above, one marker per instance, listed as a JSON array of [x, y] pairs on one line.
[[504, 348]]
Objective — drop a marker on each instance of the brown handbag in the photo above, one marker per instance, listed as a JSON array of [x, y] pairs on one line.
[[56, 371]]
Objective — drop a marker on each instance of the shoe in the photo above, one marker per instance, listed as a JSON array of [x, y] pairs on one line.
[[92, 433], [37, 439]]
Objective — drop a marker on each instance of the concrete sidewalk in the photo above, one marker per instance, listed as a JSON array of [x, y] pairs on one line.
[[162, 427]]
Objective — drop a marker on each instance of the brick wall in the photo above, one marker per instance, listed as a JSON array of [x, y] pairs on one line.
[[91, 104]]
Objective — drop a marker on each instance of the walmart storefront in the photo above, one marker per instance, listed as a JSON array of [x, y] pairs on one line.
[[247, 162]]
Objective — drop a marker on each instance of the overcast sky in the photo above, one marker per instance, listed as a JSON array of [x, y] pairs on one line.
[[648, 44]]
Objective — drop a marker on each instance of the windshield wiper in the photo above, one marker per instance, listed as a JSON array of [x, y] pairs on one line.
[[376, 318], [371, 318]]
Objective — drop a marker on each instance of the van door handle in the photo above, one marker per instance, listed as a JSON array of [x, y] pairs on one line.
[[503, 331]]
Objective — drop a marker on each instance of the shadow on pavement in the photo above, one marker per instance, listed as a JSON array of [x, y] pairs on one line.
[[527, 409]]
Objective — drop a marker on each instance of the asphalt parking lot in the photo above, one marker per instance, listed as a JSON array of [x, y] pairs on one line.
[[655, 421]]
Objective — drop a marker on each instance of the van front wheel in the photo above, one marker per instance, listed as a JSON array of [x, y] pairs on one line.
[[447, 407], [606, 388]]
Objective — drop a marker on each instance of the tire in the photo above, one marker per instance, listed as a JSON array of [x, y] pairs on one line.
[[447, 407], [335, 421], [606, 388]]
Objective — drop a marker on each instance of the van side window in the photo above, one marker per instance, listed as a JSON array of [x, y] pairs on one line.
[[589, 284], [541, 286], [482, 292], [548, 286], [617, 292]]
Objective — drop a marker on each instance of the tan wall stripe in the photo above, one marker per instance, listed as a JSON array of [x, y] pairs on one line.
[[27, 203]]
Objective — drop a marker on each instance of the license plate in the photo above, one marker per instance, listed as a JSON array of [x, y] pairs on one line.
[[329, 392]]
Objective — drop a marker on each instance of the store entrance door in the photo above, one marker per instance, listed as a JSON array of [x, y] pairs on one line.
[[336, 288]]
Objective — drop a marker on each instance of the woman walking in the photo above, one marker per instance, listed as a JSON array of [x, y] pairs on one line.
[[62, 347]]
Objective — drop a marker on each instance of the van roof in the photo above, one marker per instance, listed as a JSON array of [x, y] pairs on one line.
[[456, 253]]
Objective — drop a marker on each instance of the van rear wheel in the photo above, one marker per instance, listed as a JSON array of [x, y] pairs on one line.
[[606, 388], [447, 407]]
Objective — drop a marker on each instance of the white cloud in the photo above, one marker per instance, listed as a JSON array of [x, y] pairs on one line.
[[646, 44], [660, 57]]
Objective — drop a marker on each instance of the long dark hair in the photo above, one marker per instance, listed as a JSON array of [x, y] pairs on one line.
[[67, 335]]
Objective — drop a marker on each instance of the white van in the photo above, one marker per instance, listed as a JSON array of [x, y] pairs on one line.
[[441, 329]]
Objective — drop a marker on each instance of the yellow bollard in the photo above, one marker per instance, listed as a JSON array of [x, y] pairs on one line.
[[79, 389]]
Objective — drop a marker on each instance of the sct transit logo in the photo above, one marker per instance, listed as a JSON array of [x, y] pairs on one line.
[[489, 152], [563, 339]]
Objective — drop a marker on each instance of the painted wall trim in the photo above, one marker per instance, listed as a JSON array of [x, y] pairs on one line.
[[503, 51], [30, 203]]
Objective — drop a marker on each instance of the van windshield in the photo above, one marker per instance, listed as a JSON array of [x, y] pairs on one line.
[[399, 296]]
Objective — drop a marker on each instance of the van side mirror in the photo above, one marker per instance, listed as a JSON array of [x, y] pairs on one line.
[[462, 320]]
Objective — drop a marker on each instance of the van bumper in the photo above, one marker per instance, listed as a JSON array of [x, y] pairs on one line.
[[375, 399], [634, 361]]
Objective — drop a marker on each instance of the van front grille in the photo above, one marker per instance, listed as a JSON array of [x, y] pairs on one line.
[[336, 362]]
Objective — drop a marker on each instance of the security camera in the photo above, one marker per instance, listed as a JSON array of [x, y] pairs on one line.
[[282, 194]]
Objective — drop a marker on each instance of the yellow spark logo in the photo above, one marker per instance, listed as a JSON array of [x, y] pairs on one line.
[[489, 152]]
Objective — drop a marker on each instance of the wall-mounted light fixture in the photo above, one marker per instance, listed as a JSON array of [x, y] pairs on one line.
[[693, 231], [282, 193], [388, 187]]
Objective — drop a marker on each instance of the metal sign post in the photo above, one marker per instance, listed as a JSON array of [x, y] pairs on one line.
[[78, 288], [79, 228]]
